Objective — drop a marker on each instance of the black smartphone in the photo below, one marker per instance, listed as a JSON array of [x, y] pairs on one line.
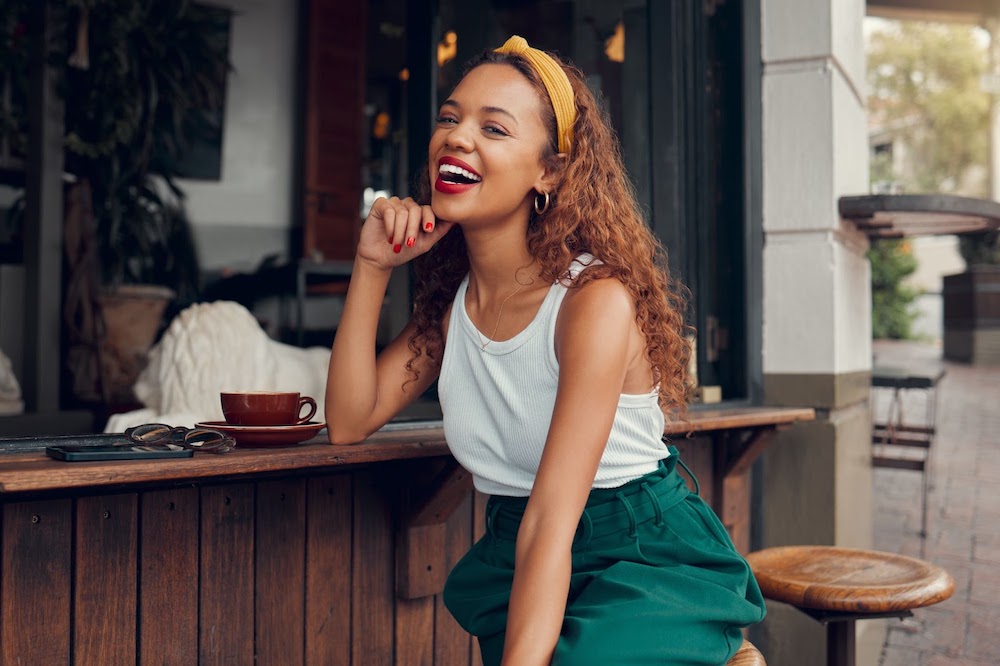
[[71, 453]]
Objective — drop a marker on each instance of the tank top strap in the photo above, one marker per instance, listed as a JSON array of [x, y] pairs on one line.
[[560, 289]]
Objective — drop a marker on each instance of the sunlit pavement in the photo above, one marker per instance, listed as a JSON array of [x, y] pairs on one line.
[[963, 515]]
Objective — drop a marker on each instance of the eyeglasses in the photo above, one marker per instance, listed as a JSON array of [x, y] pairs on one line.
[[160, 435]]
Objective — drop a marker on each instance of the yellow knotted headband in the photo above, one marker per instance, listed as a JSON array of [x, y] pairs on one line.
[[556, 83]]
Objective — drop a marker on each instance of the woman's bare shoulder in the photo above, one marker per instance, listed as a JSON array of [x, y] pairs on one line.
[[599, 318], [606, 296]]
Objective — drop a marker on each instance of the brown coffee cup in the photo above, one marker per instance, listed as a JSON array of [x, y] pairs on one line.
[[266, 408]]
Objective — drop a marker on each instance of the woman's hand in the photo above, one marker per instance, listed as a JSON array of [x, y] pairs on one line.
[[398, 230], [363, 391]]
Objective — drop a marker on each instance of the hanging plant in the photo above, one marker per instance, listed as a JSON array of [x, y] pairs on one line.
[[13, 82], [138, 71]]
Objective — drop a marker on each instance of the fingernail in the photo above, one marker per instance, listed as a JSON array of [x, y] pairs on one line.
[[397, 248], [390, 240], [410, 241], [428, 226]]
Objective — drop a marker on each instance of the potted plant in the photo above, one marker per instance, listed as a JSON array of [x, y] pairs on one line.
[[972, 303], [139, 78]]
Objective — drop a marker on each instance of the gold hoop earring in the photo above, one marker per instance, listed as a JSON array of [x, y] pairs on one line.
[[543, 208]]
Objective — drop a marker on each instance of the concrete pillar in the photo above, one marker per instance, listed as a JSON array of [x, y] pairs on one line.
[[992, 25], [816, 479]]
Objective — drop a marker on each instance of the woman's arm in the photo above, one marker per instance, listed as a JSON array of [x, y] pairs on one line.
[[363, 392], [596, 343]]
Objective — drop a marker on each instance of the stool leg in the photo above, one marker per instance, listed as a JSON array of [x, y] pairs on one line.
[[931, 422], [840, 648], [923, 502]]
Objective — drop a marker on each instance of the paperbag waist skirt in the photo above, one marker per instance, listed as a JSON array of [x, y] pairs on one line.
[[655, 580]]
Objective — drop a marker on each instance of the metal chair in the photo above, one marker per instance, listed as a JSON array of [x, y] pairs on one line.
[[895, 437]]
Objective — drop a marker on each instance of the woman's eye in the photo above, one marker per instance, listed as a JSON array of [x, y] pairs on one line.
[[446, 119], [492, 129]]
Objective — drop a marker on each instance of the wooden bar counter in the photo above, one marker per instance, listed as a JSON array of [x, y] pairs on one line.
[[311, 554]]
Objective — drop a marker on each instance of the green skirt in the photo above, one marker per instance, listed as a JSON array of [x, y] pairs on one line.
[[656, 579]]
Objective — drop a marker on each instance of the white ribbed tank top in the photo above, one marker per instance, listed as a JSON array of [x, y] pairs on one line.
[[497, 404]]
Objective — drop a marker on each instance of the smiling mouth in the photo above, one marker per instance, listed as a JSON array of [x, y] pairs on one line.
[[451, 173]]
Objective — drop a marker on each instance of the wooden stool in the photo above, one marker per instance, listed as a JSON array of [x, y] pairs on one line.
[[837, 586], [748, 655]]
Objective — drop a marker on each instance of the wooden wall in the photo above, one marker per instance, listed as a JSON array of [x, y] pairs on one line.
[[285, 571], [303, 569]]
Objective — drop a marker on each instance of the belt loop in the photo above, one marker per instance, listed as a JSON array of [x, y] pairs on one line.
[[697, 486], [632, 525], [492, 509], [656, 503], [584, 531]]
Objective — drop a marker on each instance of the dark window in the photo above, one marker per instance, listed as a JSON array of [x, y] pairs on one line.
[[201, 157], [671, 75]]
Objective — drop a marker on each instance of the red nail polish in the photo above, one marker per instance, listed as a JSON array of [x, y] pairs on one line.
[[428, 226], [390, 240], [397, 248], [410, 241]]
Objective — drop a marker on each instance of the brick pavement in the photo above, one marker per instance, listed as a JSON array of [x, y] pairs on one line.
[[963, 516]]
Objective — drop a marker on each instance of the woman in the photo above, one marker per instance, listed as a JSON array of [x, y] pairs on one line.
[[556, 339]]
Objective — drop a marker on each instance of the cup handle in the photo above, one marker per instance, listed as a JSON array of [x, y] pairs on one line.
[[305, 400]]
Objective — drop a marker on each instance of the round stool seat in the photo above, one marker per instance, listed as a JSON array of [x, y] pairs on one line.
[[848, 579], [747, 655]]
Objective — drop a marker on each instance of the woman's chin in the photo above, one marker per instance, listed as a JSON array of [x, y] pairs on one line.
[[448, 210]]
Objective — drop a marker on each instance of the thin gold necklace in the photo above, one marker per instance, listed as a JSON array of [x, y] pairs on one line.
[[496, 326]]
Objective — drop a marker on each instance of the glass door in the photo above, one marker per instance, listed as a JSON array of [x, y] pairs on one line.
[[670, 75]]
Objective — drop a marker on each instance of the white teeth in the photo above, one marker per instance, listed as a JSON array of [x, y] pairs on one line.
[[458, 171]]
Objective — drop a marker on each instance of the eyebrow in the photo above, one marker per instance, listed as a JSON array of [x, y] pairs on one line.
[[485, 109]]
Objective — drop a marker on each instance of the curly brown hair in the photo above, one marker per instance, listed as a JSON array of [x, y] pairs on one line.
[[594, 210]]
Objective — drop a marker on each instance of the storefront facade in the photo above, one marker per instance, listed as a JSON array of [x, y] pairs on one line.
[[741, 123]]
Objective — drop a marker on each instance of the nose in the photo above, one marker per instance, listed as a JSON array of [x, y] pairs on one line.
[[460, 136]]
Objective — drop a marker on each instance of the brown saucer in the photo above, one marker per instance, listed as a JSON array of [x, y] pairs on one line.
[[266, 436]]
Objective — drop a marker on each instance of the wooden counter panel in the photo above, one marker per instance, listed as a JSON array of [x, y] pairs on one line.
[[373, 590], [168, 576], [280, 571], [35, 581], [328, 569], [226, 586], [302, 560], [294, 570], [415, 629], [451, 644], [104, 591]]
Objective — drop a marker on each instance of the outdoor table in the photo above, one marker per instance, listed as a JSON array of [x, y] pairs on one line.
[[899, 215], [307, 554]]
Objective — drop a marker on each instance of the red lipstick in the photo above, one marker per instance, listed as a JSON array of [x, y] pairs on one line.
[[449, 187]]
